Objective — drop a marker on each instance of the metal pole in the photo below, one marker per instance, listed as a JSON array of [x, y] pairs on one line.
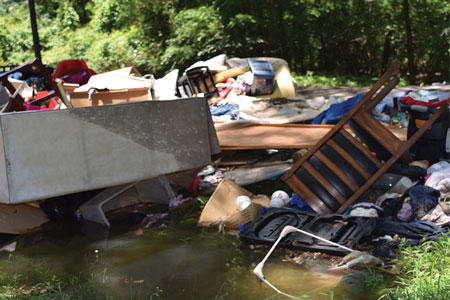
[[34, 30]]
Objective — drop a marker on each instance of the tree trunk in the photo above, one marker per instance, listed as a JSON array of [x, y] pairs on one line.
[[409, 41], [386, 52], [270, 29], [34, 30]]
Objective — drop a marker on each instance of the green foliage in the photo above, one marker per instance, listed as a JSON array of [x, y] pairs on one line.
[[424, 272], [157, 294], [197, 34], [355, 37]]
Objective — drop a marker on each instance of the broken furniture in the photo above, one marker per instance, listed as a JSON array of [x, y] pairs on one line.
[[16, 102], [95, 147], [7, 68], [154, 190], [197, 80], [341, 167]]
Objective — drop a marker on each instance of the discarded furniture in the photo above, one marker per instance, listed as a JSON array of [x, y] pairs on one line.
[[197, 80], [7, 68], [88, 148], [15, 104], [341, 167], [153, 190]]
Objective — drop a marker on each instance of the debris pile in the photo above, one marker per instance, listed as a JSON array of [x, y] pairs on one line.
[[361, 176]]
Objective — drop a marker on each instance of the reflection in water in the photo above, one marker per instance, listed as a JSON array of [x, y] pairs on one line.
[[174, 260]]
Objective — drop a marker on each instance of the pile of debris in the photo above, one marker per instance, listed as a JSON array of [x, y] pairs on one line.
[[367, 172], [357, 187]]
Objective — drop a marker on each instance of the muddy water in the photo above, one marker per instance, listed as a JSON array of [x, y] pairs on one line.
[[174, 260]]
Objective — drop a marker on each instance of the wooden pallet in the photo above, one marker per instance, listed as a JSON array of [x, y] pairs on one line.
[[341, 167]]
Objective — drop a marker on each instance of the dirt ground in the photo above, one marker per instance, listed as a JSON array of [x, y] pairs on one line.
[[346, 92]]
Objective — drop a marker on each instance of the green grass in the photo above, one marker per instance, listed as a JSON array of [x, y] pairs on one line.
[[20, 279], [424, 272], [333, 80]]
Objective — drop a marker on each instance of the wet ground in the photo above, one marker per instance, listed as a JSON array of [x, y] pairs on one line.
[[175, 259]]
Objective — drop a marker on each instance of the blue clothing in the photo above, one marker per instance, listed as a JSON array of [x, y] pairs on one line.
[[226, 109], [337, 111], [298, 203]]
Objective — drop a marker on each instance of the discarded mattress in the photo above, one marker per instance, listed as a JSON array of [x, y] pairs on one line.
[[343, 230]]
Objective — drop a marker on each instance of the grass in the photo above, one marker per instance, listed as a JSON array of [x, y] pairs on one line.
[[22, 280], [424, 272], [333, 80]]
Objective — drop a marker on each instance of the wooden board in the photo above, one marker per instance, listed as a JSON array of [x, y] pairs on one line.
[[245, 176], [21, 218], [280, 136]]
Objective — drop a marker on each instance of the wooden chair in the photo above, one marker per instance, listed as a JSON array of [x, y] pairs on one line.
[[341, 167], [197, 80], [15, 104]]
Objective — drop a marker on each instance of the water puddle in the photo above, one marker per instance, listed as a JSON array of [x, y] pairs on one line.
[[174, 259]]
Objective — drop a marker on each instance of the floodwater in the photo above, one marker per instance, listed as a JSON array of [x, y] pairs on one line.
[[175, 259]]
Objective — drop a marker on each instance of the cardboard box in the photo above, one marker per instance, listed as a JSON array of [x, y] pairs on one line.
[[221, 206], [81, 99], [263, 77]]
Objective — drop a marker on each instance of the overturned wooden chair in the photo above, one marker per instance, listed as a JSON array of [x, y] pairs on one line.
[[16, 101], [341, 167]]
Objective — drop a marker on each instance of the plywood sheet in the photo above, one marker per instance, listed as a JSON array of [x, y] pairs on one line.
[[279, 136], [87, 148], [21, 218]]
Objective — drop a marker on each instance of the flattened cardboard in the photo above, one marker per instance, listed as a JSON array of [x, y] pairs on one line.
[[81, 99], [221, 206]]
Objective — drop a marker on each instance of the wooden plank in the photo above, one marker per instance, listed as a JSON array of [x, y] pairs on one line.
[[329, 187], [21, 218], [361, 147], [280, 136], [245, 176], [375, 129], [349, 159]]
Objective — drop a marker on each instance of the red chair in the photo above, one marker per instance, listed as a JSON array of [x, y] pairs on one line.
[[73, 71]]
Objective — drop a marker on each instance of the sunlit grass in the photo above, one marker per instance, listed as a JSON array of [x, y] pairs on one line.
[[424, 272], [334, 80]]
